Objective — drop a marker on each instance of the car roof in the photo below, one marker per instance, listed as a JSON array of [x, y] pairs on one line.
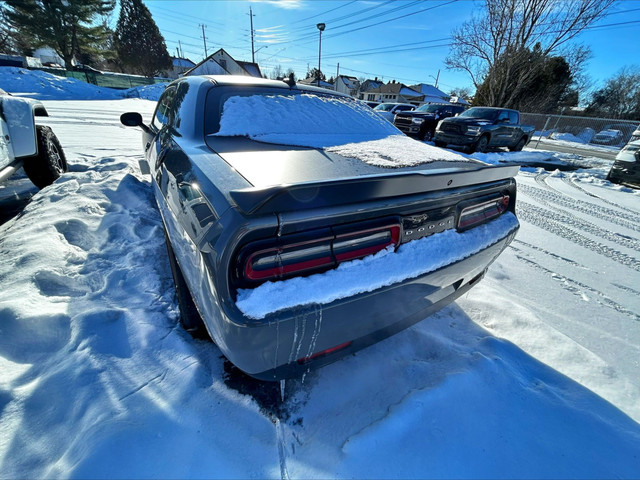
[[231, 80]]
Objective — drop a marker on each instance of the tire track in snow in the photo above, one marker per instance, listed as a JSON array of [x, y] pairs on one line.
[[555, 224], [577, 288], [548, 253], [569, 181], [564, 218], [550, 197]]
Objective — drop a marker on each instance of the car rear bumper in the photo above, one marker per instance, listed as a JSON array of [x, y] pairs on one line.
[[278, 346]]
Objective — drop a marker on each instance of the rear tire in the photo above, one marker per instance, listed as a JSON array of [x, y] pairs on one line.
[[518, 146], [189, 316], [49, 163]]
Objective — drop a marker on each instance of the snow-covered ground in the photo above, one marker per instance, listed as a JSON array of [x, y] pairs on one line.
[[533, 373]]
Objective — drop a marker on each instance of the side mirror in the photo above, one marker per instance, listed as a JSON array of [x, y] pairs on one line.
[[133, 119]]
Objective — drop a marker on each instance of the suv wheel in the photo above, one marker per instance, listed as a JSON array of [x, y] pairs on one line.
[[49, 163], [518, 146]]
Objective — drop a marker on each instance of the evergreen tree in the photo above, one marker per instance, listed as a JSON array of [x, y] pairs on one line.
[[64, 25], [140, 46]]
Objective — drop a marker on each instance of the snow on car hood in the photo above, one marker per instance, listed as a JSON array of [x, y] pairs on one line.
[[335, 124]]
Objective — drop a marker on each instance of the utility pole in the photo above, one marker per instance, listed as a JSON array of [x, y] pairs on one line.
[[338, 71], [181, 55], [204, 39], [253, 59]]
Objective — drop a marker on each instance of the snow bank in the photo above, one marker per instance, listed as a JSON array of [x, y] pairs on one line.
[[146, 92], [45, 86], [375, 271]]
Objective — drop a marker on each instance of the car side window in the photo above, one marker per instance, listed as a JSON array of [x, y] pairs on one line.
[[513, 118], [163, 114], [447, 111], [504, 115]]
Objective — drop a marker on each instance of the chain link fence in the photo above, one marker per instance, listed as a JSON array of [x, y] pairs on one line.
[[598, 132], [121, 81]]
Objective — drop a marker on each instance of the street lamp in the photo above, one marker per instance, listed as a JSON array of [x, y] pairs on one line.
[[321, 27]]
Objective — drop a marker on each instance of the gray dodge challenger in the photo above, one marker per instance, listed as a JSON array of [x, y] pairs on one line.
[[301, 227]]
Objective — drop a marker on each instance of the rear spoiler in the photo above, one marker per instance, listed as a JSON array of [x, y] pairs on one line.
[[281, 198]]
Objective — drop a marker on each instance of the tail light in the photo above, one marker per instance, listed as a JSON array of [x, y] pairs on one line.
[[313, 252], [477, 213]]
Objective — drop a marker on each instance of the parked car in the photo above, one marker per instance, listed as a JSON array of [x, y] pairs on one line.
[[371, 104], [23, 144], [421, 122], [480, 128], [241, 214], [609, 136], [626, 168], [389, 110]]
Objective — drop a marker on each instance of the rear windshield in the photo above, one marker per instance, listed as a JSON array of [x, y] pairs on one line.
[[292, 117], [480, 112]]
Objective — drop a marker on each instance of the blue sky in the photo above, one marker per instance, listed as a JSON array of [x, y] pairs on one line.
[[365, 37]]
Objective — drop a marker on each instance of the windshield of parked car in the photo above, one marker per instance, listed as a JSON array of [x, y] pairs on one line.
[[429, 108], [480, 112], [291, 117], [385, 107]]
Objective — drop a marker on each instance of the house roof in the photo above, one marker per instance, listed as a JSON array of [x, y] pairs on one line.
[[314, 81], [430, 90], [396, 88], [369, 85], [182, 62], [350, 82], [252, 68]]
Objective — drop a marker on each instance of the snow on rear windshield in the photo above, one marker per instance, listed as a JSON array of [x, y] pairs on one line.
[[302, 120]]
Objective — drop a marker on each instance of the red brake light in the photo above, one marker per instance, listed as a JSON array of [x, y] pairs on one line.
[[304, 360], [314, 254], [481, 212]]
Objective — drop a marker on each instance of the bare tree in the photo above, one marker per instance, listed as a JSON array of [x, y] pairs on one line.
[[620, 97], [501, 48]]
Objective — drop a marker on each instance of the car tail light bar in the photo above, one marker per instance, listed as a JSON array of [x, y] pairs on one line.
[[295, 257], [323, 353], [478, 213]]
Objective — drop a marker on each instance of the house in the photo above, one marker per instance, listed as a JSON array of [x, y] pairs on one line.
[[431, 93], [314, 82], [394, 92], [348, 85], [459, 101], [367, 86], [221, 63], [179, 67]]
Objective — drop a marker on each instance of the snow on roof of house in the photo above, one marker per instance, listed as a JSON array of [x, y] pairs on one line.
[[427, 89], [252, 68], [350, 82], [182, 62]]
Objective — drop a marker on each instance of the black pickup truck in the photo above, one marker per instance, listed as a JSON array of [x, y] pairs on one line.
[[480, 128], [421, 122]]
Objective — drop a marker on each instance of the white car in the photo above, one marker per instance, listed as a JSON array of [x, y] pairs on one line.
[[25, 144], [389, 110]]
